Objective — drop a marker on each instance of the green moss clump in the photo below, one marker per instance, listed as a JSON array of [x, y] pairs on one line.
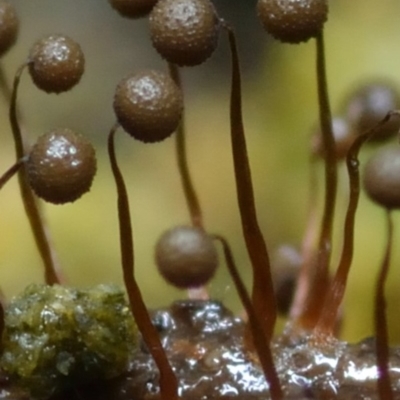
[[57, 337]]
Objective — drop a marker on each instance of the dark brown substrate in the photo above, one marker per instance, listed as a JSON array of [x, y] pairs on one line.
[[204, 342]]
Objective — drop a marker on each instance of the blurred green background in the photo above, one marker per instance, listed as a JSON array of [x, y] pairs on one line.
[[280, 108]]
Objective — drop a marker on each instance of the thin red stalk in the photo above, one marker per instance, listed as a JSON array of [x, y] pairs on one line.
[[320, 277], [30, 204], [262, 346], [192, 200], [168, 381], [326, 323], [181, 153], [308, 245], [263, 297], [385, 390], [11, 172]]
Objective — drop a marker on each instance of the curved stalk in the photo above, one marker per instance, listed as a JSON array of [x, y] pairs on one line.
[[191, 197], [263, 295], [327, 321], [30, 202], [385, 390], [320, 276], [262, 346], [11, 172], [168, 381]]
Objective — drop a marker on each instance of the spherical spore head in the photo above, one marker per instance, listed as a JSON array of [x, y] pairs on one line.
[[293, 21], [9, 25], [382, 177], [61, 166], [133, 8], [148, 105], [184, 32], [368, 104], [56, 63], [186, 256], [285, 271], [343, 136]]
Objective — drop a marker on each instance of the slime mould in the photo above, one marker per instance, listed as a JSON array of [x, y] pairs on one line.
[[83, 345], [57, 337]]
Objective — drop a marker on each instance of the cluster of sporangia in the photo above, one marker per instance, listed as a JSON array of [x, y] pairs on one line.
[[148, 105]]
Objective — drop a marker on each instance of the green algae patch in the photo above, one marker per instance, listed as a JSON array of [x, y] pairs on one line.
[[57, 337]]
